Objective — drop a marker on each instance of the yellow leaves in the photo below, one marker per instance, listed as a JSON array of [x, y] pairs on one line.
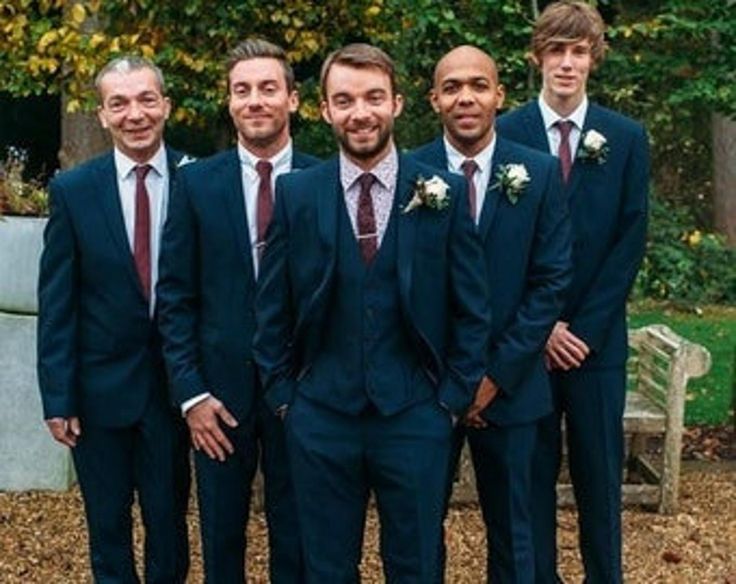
[[185, 115], [309, 110], [40, 65], [190, 62], [693, 238], [47, 39], [78, 14], [73, 106], [373, 11], [96, 40]]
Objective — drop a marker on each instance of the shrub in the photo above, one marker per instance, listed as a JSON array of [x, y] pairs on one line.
[[684, 264], [19, 196]]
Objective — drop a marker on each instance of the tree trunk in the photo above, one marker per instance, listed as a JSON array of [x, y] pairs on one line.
[[724, 176], [82, 137]]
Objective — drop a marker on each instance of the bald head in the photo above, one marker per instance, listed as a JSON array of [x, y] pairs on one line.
[[466, 95], [469, 56]]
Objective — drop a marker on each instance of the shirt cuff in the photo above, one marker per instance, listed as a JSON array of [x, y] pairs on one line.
[[193, 401]]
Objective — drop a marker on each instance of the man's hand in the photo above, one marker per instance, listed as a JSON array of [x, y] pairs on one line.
[[564, 350], [65, 430], [204, 427], [486, 393]]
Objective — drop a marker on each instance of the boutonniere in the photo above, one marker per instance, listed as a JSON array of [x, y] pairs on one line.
[[184, 160], [431, 193], [593, 147], [513, 180]]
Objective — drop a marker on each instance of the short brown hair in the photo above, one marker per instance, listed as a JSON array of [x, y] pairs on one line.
[[358, 56], [254, 48], [568, 22]]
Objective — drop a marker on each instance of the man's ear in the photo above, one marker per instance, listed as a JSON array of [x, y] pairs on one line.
[[101, 117], [433, 100], [325, 109]]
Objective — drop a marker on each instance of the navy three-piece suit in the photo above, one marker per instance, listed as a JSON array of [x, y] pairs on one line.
[[527, 255], [608, 207], [206, 292], [99, 358], [370, 359]]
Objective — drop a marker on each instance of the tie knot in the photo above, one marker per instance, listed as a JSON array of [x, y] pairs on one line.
[[366, 181], [263, 168], [564, 127], [141, 171], [469, 167]]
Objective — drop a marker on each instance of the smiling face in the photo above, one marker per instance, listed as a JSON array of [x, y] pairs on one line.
[[260, 103], [466, 95], [565, 69], [361, 107], [134, 110]]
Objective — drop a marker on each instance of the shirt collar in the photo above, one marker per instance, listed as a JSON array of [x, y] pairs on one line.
[[551, 117], [385, 171], [125, 165], [455, 158], [249, 160]]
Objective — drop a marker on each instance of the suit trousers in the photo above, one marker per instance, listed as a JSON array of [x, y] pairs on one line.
[[340, 459], [592, 403], [224, 493], [150, 457]]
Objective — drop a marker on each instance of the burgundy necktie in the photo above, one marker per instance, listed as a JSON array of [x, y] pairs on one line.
[[470, 167], [142, 230], [565, 127], [264, 210], [367, 234]]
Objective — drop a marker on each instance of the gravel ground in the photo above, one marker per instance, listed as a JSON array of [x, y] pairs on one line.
[[43, 539]]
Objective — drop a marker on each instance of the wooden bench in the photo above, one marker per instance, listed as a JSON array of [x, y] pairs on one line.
[[660, 366]]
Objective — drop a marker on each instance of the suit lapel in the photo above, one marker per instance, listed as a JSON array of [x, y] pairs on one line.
[[534, 125], [112, 210], [493, 191], [327, 208], [592, 121], [235, 200], [406, 224]]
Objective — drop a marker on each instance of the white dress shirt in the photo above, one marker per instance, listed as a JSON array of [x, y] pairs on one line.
[[482, 176], [281, 164], [157, 184], [550, 117]]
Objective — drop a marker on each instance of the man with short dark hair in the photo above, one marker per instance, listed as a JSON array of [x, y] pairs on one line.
[[210, 262], [372, 322], [100, 367], [604, 161], [525, 233]]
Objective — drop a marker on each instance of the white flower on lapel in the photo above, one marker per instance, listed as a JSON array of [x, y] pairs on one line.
[[513, 180], [432, 193], [593, 147], [184, 160]]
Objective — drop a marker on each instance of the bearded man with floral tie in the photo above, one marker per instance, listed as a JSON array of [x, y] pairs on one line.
[[372, 324]]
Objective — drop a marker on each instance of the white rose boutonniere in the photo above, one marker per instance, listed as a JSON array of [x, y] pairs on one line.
[[593, 147], [184, 160], [431, 193], [513, 180]]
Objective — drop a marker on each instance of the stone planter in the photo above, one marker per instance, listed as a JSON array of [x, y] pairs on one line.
[[21, 242]]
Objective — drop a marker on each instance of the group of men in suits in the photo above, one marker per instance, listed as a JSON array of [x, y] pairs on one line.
[[349, 325]]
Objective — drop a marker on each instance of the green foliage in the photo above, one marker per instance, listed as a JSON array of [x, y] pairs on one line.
[[710, 398], [683, 264]]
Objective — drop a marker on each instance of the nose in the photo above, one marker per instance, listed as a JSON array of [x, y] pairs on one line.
[[255, 99], [135, 111], [465, 95], [361, 109], [566, 62]]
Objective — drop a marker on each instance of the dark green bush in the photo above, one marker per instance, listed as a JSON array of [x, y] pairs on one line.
[[684, 264]]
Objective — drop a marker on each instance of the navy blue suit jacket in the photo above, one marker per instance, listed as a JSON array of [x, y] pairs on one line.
[[206, 285], [527, 251], [99, 354], [441, 282], [608, 208]]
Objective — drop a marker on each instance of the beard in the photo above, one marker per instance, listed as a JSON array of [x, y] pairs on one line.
[[364, 151]]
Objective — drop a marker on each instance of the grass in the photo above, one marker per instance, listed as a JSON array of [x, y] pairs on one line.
[[710, 399]]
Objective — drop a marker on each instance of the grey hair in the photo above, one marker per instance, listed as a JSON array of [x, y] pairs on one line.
[[128, 64]]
